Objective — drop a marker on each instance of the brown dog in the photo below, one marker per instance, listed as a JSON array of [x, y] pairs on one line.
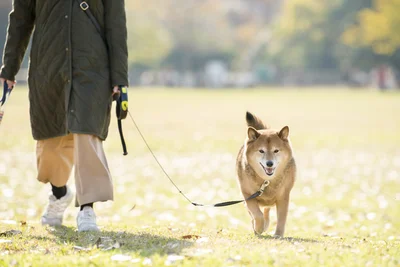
[[266, 156]]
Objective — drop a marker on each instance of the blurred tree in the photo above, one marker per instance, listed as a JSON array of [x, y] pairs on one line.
[[202, 30], [149, 40], [377, 27], [199, 29], [377, 30], [308, 34]]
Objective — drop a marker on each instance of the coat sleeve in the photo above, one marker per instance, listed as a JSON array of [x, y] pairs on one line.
[[20, 27], [116, 37]]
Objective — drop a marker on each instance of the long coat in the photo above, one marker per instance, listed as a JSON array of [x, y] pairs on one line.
[[72, 68]]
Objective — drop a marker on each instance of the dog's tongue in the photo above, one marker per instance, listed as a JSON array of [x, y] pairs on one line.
[[270, 170]]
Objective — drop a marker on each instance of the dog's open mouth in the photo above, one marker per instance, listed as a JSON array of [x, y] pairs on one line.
[[268, 170]]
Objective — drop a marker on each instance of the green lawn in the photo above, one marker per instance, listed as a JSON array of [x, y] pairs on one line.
[[345, 206]]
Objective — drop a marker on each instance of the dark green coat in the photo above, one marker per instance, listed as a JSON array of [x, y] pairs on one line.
[[72, 69]]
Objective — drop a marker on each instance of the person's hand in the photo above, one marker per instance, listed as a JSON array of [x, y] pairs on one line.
[[115, 94], [9, 83], [115, 90]]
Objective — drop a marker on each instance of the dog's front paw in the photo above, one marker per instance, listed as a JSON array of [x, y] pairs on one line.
[[258, 225], [258, 230], [258, 233]]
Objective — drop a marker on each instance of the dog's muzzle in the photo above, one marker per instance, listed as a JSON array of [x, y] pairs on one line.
[[268, 170]]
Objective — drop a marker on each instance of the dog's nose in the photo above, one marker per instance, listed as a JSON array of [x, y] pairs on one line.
[[270, 163]]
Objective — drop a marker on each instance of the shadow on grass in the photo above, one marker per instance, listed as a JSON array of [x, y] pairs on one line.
[[289, 239], [144, 244]]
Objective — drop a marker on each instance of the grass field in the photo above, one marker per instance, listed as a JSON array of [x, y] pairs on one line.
[[344, 211]]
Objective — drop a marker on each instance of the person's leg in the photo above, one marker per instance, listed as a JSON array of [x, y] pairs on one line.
[[92, 178], [54, 164]]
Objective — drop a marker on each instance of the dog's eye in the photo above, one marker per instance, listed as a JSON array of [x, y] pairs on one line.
[[261, 151], [276, 151]]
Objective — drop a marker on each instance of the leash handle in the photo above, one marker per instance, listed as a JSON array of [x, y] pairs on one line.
[[6, 93], [121, 112]]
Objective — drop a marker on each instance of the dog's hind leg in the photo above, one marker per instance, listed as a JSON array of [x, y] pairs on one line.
[[257, 216], [266, 218]]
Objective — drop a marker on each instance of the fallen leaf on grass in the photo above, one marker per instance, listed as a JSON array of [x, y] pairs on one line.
[[171, 259], [200, 252], [147, 261], [134, 206], [107, 243], [330, 234], [114, 246], [120, 257], [191, 237], [172, 245], [234, 259], [10, 233], [9, 222], [94, 256], [2, 241], [102, 240], [79, 248], [13, 262], [202, 240]]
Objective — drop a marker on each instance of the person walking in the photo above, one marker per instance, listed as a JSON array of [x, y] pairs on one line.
[[78, 60]]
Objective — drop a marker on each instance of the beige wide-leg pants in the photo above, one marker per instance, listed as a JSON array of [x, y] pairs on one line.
[[57, 156]]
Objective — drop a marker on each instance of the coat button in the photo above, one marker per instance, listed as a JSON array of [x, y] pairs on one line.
[[66, 16], [72, 111], [66, 49]]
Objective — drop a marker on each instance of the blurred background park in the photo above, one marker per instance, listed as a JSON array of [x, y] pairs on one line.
[[346, 142], [247, 43]]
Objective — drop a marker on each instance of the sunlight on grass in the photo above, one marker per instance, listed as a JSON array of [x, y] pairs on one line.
[[344, 206]]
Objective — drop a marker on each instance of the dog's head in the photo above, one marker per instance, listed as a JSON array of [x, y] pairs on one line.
[[267, 150]]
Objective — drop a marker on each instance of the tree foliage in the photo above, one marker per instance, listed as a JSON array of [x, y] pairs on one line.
[[187, 33], [377, 28], [149, 40], [308, 34]]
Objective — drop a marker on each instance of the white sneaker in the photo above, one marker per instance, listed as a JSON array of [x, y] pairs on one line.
[[86, 220], [54, 213]]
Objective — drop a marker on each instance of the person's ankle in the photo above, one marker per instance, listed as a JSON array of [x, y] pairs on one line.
[[59, 192], [87, 205]]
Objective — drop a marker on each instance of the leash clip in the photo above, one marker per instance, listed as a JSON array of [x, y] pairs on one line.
[[263, 186]]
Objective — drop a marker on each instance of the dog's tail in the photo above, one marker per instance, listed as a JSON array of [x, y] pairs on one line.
[[255, 122]]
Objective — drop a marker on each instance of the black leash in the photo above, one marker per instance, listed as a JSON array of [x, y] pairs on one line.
[[222, 204]]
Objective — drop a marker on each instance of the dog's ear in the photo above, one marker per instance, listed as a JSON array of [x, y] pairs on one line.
[[252, 134], [284, 133]]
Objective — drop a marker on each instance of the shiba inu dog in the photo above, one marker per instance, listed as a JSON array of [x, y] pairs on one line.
[[266, 158]]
